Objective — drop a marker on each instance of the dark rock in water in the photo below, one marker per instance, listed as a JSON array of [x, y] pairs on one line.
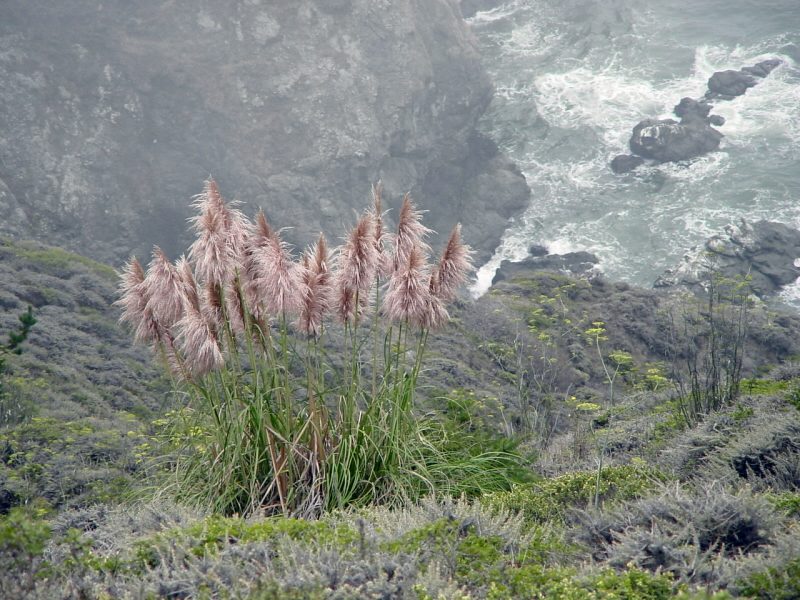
[[667, 140], [572, 263], [764, 68], [624, 163], [689, 107], [765, 250], [729, 84], [725, 85], [537, 250]]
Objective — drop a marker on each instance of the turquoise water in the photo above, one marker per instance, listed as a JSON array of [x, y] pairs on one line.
[[574, 77]]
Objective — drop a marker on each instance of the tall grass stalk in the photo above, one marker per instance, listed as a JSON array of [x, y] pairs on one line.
[[281, 415]]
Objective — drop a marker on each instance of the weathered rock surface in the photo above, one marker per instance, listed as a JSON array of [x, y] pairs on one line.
[[765, 250], [579, 264], [624, 163], [726, 85], [667, 140], [116, 111]]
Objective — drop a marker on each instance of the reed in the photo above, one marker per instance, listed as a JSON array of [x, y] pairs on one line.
[[300, 375]]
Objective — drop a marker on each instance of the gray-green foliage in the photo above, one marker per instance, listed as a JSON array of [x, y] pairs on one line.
[[13, 346], [79, 375], [682, 530]]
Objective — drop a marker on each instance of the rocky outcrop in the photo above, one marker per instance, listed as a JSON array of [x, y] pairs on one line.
[[766, 251], [726, 85], [116, 111], [578, 264], [667, 140]]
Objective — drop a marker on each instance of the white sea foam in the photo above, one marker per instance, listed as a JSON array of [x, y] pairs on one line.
[[642, 223]]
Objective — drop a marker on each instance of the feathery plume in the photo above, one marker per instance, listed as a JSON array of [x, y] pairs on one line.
[[132, 299], [349, 303], [234, 305], [165, 290], [437, 315], [411, 233], [199, 343], [358, 256], [213, 252], [381, 236], [273, 281], [317, 280], [211, 307], [238, 227], [190, 294], [407, 295], [453, 268], [134, 296]]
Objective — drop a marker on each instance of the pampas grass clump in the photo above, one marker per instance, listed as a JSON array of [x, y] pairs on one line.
[[299, 375]]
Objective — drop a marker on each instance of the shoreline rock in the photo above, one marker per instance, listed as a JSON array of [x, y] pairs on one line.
[[766, 251], [576, 264], [667, 140]]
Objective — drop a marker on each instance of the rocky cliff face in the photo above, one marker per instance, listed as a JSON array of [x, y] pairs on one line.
[[114, 112]]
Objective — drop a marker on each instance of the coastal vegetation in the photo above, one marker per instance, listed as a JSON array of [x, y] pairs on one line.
[[369, 434]]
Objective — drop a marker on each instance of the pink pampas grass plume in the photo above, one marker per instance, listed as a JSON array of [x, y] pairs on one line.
[[454, 266], [198, 343], [234, 306], [134, 294], [133, 299], [411, 233], [211, 307], [190, 295], [273, 280], [317, 279], [407, 294], [381, 236], [212, 252], [436, 315], [165, 290], [239, 227], [358, 256], [349, 304]]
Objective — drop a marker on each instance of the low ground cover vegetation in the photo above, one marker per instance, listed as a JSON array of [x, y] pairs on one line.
[[338, 441]]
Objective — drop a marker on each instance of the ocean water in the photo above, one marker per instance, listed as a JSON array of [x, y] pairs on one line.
[[574, 76]]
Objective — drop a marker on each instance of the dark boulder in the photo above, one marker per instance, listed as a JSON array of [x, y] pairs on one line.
[[764, 68], [725, 85], [667, 140], [689, 107], [765, 250], [729, 84], [624, 163], [580, 264]]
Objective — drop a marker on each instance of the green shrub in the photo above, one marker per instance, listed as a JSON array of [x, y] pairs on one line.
[[23, 536], [534, 581], [773, 583], [786, 502], [551, 499]]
